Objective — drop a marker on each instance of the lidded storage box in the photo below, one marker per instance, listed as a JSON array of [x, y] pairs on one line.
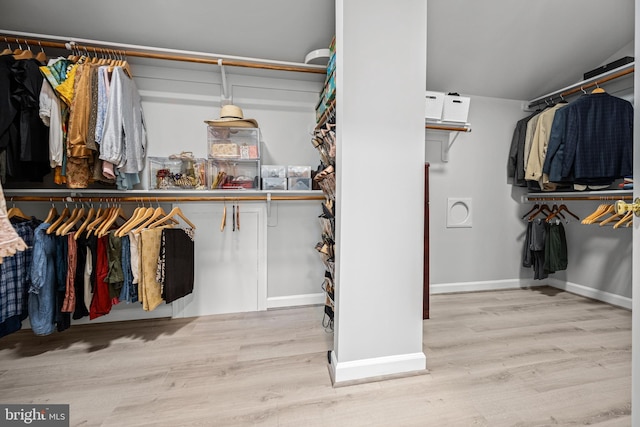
[[274, 177], [456, 108], [181, 171], [233, 143], [234, 157], [233, 174]]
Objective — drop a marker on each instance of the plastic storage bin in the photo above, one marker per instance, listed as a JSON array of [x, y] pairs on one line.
[[233, 143], [299, 184], [298, 171], [433, 105], [274, 183], [273, 171], [456, 108], [233, 174], [172, 174]]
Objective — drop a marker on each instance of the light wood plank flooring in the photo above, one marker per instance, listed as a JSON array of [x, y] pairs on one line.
[[535, 357]]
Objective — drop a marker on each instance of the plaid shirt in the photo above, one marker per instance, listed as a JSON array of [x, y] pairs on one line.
[[14, 274]]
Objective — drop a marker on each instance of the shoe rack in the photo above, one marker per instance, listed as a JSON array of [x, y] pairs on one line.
[[324, 140]]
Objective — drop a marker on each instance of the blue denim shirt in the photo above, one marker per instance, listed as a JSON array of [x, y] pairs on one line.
[[42, 290]]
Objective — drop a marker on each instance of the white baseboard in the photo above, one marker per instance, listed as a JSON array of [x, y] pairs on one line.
[[375, 368], [489, 285], [295, 300], [597, 294], [494, 285]]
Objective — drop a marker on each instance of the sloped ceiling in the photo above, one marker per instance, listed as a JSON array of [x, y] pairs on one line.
[[521, 49], [515, 49]]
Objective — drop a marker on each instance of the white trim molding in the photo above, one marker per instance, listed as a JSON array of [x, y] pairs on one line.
[[495, 285], [376, 368], [295, 300], [488, 285], [596, 294]]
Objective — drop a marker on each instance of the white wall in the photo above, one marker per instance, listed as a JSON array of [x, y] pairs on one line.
[[176, 103], [477, 168], [489, 254]]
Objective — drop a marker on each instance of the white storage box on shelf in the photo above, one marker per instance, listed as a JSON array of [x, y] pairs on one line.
[[456, 108], [274, 177], [172, 174], [233, 143], [233, 174], [433, 105]]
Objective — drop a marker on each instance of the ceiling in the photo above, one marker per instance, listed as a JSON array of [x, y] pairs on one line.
[[515, 49]]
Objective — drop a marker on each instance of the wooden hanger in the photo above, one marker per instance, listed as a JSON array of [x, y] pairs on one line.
[[610, 209], [626, 218], [87, 221], [157, 213], [559, 210], [614, 217], [67, 226], [53, 213], [599, 210], [16, 212], [175, 211], [100, 218], [598, 89], [41, 56], [536, 206], [118, 212], [8, 50], [64, 215], [145, 215], [25, 54], [134, 216], [540, 210]]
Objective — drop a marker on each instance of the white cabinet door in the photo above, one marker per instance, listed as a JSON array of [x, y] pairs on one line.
[[230, 266]]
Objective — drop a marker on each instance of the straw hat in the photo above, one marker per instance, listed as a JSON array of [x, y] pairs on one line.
[[231, 116]]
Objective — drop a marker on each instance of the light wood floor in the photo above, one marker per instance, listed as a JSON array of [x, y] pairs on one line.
[[538, 357]]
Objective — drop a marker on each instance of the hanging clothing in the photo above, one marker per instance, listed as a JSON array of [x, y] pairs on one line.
[[537, 245], [69, 302], [51, 115], [62, 318], [178, 255], [10, 241], [539, 143], [80, 309], [8, 111], [150, 292], [27, 157], [599, 139], [115, 275], [124, 138], [515, 165], [15, 272], [101, 302], [555, 255], [42, 293]]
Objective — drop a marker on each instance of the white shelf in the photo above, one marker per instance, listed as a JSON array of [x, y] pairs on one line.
[[577, 195]]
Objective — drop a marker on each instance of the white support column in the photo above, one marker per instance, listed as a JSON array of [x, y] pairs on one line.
[[380, 83]]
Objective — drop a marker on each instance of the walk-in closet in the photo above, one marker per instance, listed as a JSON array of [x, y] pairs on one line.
[[318, 213]]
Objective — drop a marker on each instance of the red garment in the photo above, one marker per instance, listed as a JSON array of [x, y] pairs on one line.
[[69, 303], [101, 302]]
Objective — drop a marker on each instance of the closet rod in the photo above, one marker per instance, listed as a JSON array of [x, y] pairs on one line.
[[574, 198], [36, 40], [583, 85], [150, 199], [444, 127]]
